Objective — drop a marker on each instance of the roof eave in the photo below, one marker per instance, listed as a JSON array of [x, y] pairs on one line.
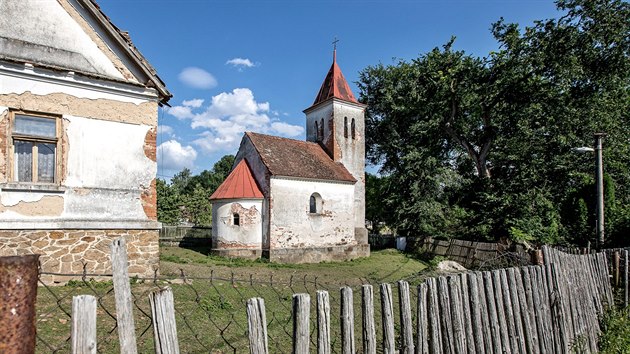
[[317, 105], [134, 55]]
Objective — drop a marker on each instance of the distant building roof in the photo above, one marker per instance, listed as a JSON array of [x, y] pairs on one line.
[[239, 184], [296, 158], [335, 85]]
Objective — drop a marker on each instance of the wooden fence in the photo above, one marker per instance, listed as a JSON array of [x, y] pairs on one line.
[[185, 236], [534, 309], [470, 253]]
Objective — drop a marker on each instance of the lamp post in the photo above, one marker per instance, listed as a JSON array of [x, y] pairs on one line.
[[599, 180], [599, 173]]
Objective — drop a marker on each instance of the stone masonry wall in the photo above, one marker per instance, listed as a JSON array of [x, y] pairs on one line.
[[65, 251]]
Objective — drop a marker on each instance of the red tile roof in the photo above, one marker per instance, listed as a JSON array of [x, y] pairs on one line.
[[335, 85], [296, 158], [239, 184]]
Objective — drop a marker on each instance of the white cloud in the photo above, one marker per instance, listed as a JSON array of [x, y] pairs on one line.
[[197, 78], [165, 130], [173, 156], [180, 112], [194, 103], [286, 129], [240, 63], [227, 116]]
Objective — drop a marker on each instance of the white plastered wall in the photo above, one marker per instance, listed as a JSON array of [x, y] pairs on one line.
[[46, 24], [293, 226], [247, 235], [106, 166]]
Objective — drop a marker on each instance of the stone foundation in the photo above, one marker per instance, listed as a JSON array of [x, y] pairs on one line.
[[65, 251], [318, 254], [245, 253]]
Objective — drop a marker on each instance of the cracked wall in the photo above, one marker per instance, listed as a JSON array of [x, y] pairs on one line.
[[293, 226], [246, 235]]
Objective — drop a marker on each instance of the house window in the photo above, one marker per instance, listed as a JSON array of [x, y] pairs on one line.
[[352, 128], [315, 204], [236, 219], [345, 127], [35, 140]]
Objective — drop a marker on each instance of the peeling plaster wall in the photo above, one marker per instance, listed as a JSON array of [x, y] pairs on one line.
[[107, 172], [226, 235], [291, 224], [261, 174], [47, 32], [108, 168], [350, 152]]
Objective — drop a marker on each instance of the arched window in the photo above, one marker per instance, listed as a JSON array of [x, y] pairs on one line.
[[345, 127], [236, 219], [321, 129], [353, 128], [316, 131], [315, 204]]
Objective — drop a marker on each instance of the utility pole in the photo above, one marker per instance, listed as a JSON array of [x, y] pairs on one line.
[[599, 176]]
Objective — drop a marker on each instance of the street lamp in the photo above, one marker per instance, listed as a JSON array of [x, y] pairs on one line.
[[599, 180]]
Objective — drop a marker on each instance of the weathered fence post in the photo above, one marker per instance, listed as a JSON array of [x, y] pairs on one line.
[[257, 326], [122, 294], [323, 322], [433, 312], [616, 264], [477, 345], [301, 323], [164, 326], [625, 279], [347, 321], [387, 314], [369, 330], [406, 326], [422, 320], [83, 330], [18, 292]]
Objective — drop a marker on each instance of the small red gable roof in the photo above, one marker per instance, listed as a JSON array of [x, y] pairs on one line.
[[335, 85], [239, 184]]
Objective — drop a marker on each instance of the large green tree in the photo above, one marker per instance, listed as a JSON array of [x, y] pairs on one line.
[[484, 147], [187, 198]]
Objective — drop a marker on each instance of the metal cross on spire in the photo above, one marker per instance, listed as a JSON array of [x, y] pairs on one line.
[[335, 48]]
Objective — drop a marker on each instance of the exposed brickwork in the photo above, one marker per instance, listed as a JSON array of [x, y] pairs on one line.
[[4, 145], [149, 201], [65, 251], [150, 144]]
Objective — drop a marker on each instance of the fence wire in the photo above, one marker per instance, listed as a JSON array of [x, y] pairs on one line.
[[210, 311]]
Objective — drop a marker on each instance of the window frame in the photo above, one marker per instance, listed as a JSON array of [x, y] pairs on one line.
[[318, 204], [12, 137], [236, 219], [353, 129]]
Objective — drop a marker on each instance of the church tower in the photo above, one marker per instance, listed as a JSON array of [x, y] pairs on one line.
[[336, 121]]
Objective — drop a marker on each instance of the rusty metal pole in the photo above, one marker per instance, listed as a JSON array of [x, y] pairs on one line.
[[18, 292]]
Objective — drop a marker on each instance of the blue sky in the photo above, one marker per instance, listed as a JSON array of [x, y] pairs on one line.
[[235, 65]]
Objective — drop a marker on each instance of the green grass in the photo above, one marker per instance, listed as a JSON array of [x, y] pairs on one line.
[[615, 338], [381, 266], [210, 302]]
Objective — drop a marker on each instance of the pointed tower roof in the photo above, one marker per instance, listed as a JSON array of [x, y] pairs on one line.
[[335, 85], [239, 184]]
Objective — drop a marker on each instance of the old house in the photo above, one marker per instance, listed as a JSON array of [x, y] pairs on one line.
[[299, 201], [78, 120]]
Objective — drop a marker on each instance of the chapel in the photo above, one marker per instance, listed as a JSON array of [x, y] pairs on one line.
[[299, 201]]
